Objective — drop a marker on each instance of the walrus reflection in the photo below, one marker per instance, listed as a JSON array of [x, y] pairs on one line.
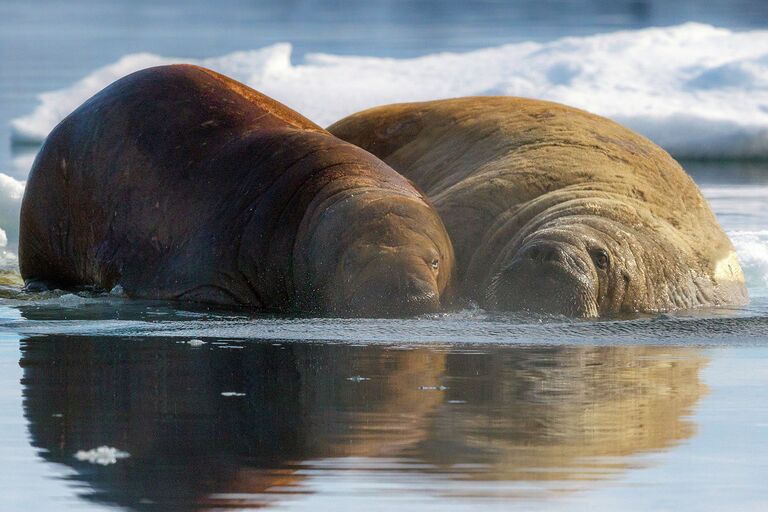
[[512, 414], [161, 402], [564, 413]]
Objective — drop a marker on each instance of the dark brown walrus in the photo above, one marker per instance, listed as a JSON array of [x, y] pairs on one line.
[[177, 182], [556, 210]]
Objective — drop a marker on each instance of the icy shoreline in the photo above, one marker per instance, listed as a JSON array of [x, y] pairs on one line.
[[697, 90]]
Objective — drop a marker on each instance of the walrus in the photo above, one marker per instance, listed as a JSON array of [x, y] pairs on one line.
[[179, 183], [555, 210]]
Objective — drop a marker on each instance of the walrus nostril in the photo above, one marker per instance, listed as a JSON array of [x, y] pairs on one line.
[[419, 296], [406, 296], [415, 287], [544, 252]]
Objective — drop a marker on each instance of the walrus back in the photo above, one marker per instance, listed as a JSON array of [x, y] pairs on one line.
[[98, 192], [86, 196]]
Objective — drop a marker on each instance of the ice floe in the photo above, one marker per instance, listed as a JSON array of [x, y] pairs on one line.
[[695, 89]]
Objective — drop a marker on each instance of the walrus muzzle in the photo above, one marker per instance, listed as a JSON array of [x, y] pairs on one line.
[[393, 286], [417, 297], [545, 277]]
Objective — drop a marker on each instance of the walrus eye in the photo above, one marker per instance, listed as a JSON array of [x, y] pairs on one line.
[[435, 264], [600, 258]]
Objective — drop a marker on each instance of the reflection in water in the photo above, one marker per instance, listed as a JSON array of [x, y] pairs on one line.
[[512, 414], [563, 413]]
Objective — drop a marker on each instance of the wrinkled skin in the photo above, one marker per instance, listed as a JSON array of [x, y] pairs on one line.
[[179, 183], [555, 210]]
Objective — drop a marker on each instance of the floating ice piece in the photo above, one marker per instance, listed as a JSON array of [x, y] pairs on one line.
[[195, 343], [71, 300], [103, 455], [433, 388], [357, 378], [232, 393]]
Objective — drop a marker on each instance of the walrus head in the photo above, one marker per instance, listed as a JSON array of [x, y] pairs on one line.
[[566, 270], [592, 258], [394, 258]]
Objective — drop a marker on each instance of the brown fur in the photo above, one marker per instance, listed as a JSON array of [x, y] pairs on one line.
[[179, 183]]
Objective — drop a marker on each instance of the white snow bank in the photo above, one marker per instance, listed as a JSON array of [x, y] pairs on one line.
[[8, 259], [11, 191], [752, 248], [695, 89], [741, 210]]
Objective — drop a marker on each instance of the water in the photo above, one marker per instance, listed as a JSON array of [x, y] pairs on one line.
[[309, 426], [459, 411]]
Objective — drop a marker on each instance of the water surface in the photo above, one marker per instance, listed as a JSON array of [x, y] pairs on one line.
[[307, 426], [463, 411]]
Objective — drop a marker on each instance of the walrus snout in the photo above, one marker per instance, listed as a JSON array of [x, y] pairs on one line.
[[387, 296], [545, 252], [544, 277]]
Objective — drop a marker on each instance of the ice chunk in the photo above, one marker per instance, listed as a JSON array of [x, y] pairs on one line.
[[103, 455]]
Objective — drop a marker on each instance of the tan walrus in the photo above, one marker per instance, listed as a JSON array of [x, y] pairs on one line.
[[553, 209], [177, 182]]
